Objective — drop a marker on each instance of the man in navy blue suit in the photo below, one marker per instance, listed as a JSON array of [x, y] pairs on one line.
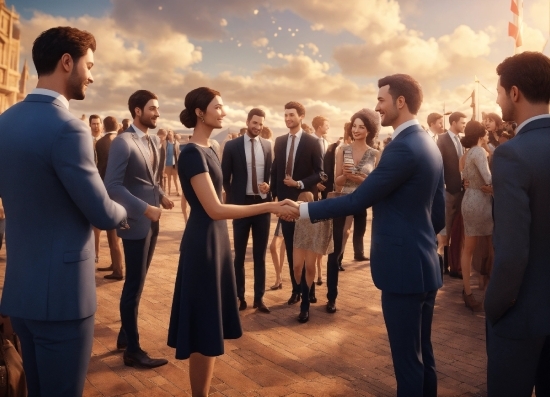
[[517, 301], [406, 192], [53, 194]]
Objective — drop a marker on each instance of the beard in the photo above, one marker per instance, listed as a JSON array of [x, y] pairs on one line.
[[148, 122], [76, 86], [389, 117], [507, 111], [253, 132]]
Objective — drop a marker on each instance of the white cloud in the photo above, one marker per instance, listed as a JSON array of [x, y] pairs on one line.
[[261, 42]]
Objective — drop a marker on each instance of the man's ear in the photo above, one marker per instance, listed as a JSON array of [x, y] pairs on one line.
[[66, 62]]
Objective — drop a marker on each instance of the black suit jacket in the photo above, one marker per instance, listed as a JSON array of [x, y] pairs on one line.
[[235, 171], [308, 166], [453, 179], [102, 152], [328, 164]]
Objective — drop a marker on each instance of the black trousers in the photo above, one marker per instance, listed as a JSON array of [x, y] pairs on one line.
[[334, 259], [138, 255], [288, 235], [359, 228], [408, 320], [259, 225], [55, 355], [515, 366]]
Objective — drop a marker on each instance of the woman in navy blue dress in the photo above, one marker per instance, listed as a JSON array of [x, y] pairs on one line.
[[204, 309]]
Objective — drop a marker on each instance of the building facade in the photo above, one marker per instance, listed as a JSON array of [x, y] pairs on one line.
[[12, 82]]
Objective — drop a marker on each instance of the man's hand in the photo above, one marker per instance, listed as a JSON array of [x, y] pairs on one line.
[[264, 188], [166, 203], [290, 182], [153, 213], [321, 187], [287, 210], [488, 189]]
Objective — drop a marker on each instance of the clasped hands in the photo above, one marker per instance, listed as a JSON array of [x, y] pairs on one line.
[[287, 210]]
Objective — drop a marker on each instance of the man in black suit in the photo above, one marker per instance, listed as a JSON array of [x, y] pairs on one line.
[[517, 301], [297, 166], [451, 150], [102, 151], [246, 166]]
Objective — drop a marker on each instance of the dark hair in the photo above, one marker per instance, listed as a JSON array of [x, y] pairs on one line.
[[93, 116], [125, 123], [456, 116], [198, 98], [347, 131], [530, 73], [433, 117], [138, 100], [255, 112], [473, 131], [405, 86], [371, 119], [52, 44], [318, 121], [498, 128], [300, 109], [110, 124]]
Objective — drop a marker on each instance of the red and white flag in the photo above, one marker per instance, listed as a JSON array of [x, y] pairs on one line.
[[515, 28]]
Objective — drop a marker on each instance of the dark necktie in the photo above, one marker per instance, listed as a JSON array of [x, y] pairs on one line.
[[152, 154], [254, 176], [290, 161]]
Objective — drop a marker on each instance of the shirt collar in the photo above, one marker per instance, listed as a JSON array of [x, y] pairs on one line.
[[247, 138], [139, 132], [402, 127], [540, 116], [432, 134], [298, 134], [111, 132], [56, 95]]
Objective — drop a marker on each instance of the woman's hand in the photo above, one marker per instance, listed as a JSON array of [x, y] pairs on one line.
[[488, 189]]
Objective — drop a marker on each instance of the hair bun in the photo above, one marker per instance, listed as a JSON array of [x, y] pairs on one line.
[[188, 119]]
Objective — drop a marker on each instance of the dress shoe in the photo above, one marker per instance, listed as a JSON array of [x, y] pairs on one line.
[[455, 275], [341, 268], [312, 299], [140, 359], [242, 304], [276, 286], [360, 258], [294, 298], [303, 317], [260, 305], [113, 276], [105, 269], [331, 307]]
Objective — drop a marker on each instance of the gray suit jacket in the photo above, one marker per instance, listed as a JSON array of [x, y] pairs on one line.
[[517, 302], [52, 194], [453, 179], [131, 182]]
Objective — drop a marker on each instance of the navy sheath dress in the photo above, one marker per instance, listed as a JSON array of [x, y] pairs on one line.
[[204, 308]]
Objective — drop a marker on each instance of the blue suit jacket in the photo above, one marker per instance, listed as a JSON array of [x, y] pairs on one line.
[[130, 181], [406, 191], [235, 170], [517, 301], [51, 192]]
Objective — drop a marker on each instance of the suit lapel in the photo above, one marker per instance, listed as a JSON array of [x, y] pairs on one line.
[[265, 149], [450, 144], [242, 155], [145, 157], [301, 147]]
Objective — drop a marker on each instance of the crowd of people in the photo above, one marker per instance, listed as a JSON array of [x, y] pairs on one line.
[[474, 196]]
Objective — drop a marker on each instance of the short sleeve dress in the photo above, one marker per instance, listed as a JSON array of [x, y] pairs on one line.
[[204, 308]]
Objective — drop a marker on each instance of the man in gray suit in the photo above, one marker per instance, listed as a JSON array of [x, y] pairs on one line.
[[517, 302], [131, 180], [52, 193]]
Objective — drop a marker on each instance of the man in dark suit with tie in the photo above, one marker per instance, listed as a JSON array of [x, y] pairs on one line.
[[297, 166], [517, 302], [451, 150], [246, 166], [52, 193], [407, 195], [102, 148], [131, 180], [321, 126]]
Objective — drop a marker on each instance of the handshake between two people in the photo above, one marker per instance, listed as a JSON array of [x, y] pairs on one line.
[[287, 210]]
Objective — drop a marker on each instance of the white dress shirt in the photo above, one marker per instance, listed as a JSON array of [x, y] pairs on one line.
[[296, 143], [432, 135], [142, 139], [456, 140], [540, 116], [259, 157], [403, 126], [323, 143], [56, 95]]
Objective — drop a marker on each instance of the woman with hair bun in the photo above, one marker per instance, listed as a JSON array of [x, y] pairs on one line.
[[476, 204], [204, 308]]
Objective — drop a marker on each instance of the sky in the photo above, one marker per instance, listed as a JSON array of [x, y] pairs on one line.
[[328, 55]]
